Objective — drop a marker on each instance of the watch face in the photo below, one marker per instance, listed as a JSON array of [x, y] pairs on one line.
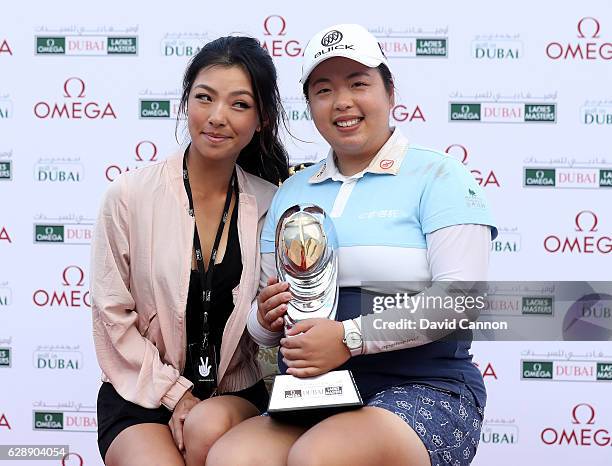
[[353, 340]]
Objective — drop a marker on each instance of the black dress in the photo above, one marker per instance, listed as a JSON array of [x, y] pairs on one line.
[[116, 414]]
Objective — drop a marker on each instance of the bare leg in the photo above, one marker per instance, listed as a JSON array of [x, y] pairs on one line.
[[368, 436], [365, 437], [208, 421], [150, 444], [259, 441]]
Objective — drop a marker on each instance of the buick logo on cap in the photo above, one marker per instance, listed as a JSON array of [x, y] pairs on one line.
[[331, 38]]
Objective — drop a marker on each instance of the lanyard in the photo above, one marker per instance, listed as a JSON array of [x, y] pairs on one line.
[[206, 276]]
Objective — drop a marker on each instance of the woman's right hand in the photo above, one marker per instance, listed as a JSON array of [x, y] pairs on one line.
[[272, 304], [181, 410]]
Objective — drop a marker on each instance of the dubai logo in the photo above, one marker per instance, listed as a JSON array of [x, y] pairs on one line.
[[67, 421], [503, 112], [567, 370], [183, 44], [62, 170], [497, 47], [567, 177], [57, 358], [412, 42], [67, 233], [86, 45], [297, 109], [508, 240], [597, 112], [499, 432]]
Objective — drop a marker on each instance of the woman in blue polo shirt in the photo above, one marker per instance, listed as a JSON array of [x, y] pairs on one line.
[[402, 214]]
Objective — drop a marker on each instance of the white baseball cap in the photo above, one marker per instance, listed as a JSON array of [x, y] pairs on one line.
[[342, 40]]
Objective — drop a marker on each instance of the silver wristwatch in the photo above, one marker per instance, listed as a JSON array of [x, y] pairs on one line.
[[352, 337]]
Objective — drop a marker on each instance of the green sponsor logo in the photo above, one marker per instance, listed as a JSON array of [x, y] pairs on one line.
[[49, 233], [541, 112], [155, 109], [50, 45], [605, 178], [5, 357], [540, 177], [60, 360], [431, 48], [48, 420], [6, 172], [604, 371], [537, 370], [122, 45], [537, 305], [465, 112]]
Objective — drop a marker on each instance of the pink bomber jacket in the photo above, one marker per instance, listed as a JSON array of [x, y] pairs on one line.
[[140, 268]]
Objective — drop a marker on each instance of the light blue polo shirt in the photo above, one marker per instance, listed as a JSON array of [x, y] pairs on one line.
[[382, 216]]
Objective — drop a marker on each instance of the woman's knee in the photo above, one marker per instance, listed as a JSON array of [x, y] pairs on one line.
[[305, 454], [149, 444], [256, 442], [204, 425], [227, 451]]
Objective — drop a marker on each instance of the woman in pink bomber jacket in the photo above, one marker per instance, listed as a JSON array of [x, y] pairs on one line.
[[175, 268]]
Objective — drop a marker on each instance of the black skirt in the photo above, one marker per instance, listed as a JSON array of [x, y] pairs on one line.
[[116, 414]]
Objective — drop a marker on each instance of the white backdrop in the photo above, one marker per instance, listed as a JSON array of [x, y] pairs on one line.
[[90, 90]]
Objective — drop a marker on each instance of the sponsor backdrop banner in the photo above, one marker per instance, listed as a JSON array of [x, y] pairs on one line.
[[519, 92]]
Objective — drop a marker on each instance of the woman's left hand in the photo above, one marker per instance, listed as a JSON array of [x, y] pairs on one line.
[[313, 347]]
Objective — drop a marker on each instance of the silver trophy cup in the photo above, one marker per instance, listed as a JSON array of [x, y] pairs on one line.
[[307, 258]]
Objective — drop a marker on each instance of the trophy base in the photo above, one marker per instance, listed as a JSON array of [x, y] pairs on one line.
[[312, 399]]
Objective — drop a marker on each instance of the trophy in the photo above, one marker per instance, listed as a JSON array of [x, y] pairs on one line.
[[307, 258]]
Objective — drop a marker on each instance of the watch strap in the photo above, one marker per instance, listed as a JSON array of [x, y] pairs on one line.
[[351, 327]]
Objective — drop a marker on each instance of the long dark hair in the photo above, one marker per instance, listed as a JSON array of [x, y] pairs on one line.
[[264, 156]]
